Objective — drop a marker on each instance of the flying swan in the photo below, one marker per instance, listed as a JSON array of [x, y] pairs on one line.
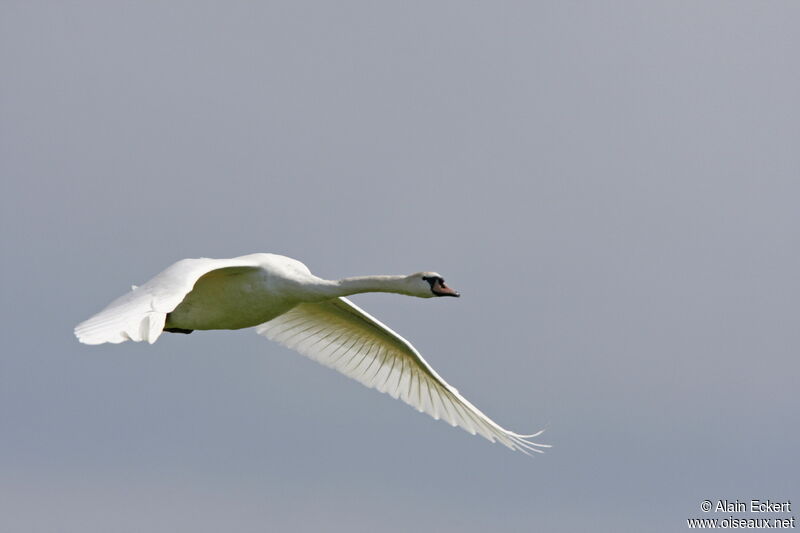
[[288, 304]]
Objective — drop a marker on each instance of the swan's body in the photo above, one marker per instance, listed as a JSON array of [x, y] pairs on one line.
[[288, 304]]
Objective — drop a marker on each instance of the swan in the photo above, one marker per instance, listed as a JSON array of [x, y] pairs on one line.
[[285, 302]]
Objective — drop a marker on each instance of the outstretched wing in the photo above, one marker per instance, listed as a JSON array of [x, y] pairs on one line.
[[140, 314], [342, 336]]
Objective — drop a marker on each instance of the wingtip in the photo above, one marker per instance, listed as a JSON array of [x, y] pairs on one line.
[[524, 444], [81, 338]]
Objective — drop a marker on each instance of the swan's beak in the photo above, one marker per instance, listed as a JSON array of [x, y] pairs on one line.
[[440, 289]]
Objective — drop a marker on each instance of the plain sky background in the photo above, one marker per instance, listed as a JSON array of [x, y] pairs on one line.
[[613, 187]]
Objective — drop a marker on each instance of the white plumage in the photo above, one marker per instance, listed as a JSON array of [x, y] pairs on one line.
[[286, 303]]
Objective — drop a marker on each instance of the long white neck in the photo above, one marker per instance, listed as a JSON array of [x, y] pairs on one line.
[[325, 289]]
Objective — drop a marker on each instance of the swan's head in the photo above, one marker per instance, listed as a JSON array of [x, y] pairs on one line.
[[429, 284]]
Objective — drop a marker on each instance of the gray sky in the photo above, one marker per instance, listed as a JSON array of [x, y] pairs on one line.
[[613, 188]]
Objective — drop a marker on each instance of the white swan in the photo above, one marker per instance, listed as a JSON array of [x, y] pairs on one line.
[[290, 305]]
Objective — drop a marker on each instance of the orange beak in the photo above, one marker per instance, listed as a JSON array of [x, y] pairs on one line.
[[440, 289]]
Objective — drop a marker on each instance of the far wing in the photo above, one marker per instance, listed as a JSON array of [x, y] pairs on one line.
[[342, 336], [140, 314]]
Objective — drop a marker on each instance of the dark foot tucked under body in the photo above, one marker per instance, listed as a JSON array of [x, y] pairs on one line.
[[178, 330]]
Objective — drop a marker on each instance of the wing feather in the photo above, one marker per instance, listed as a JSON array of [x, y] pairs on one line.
[[342, 336]]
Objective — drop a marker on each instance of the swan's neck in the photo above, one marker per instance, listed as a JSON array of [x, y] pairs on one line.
[[325, 289]]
